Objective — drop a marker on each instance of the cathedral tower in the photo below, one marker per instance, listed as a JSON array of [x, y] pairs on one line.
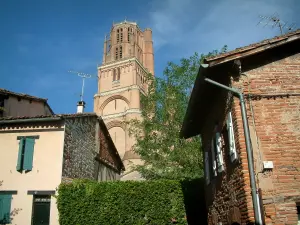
[[127, 58]]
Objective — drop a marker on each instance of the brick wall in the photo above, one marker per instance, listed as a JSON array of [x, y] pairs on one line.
[[227, 195], [274, 123], [274, 120]]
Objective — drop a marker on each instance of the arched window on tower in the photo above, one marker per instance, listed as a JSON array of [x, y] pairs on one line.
[[117, 53], [118, 35], [121, 34], [114, 74], [128, 35], [121, 53], [119, 74]]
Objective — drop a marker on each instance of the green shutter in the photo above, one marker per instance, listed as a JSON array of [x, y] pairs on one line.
[[28, 157], [19, 163], [5, 204], [1, 208]]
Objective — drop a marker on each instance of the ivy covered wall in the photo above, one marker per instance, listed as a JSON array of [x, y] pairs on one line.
[[80, 147]]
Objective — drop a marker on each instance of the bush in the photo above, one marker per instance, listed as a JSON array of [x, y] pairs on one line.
[[128, 203]]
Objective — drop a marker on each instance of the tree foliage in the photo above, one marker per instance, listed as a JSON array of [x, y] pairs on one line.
[[165, 155]]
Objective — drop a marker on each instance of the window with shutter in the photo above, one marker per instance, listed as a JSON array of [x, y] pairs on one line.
[[213, 158], [231, 140], [5, 205], [25, 155], [219, 151], [21, 155], [207, 172], [28, 156]]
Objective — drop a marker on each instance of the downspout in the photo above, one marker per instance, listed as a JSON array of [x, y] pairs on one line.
[[256, 207]]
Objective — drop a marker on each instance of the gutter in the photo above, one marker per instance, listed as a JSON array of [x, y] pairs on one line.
[[254, 193], [49, 119]]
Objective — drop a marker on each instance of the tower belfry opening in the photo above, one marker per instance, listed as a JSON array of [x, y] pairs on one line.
[[127, 59]]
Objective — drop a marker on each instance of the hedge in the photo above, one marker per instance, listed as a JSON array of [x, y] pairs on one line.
[[121, 202]]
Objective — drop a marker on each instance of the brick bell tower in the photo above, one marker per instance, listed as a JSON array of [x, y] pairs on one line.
[[127, 58]]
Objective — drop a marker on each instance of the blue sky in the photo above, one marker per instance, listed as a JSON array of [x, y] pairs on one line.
[[41, 40]]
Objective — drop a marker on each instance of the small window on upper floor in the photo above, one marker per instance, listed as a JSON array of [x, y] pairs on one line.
[[118, 35], [114, 74], [1, 106], [121, 35], [25, 155], [119, 74], [121, 53], [117, 53]]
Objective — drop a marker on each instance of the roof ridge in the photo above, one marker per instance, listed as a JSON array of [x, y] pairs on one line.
[[253, 45], [22, 95], [50, 116]]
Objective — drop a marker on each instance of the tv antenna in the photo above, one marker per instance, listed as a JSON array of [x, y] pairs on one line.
[[83, 76], [275, 21]]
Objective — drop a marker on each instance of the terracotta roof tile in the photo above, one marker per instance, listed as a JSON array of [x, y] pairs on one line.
[[253, 46]]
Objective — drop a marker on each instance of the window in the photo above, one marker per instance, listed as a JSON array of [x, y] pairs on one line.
[[105, 173], [231, 140], [118, 35], [25, 156], [1, 106], [114, 74], [119, 74], [298, 214], [219, 152], [121, 35], [213, 158], [121, 54], [117, 53], [5, 204], [207, 168]]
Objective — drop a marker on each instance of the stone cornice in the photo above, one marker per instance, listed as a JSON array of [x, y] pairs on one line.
[[128, 111], [120, 62], [115, 91]]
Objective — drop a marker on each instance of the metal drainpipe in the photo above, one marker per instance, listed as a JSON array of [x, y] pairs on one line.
[[256, 207]]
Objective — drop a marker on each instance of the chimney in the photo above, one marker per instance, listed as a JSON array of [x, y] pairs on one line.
[[80, 106]]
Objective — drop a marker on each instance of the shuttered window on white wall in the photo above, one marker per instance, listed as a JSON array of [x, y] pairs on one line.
[[231, 140], [206, 164], [213, 158], [219, 152]]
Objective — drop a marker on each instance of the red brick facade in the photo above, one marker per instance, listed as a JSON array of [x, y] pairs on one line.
[[270, 81], [275, 135]]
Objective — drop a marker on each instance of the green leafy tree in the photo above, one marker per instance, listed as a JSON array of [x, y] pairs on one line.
[[165, 155]]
